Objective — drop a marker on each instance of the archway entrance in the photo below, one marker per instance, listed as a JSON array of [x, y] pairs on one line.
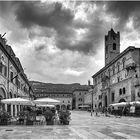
[[105, 100], [100, 105], [68, 107], [58, 107], [122, 100], [63, 107]]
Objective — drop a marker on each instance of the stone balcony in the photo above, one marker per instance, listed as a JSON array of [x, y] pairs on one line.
[[131, 66]]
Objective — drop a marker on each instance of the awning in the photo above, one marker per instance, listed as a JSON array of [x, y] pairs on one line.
[[46, 101], [122, 104], [41, 105], [17, 101], [135, 103]]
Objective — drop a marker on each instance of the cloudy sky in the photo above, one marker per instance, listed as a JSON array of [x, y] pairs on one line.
[[63, 42]]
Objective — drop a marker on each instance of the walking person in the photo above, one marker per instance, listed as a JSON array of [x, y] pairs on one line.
[[105, 111], [96, 111]]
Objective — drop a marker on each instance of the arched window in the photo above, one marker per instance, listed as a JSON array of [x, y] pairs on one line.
[[109, 72], [123, 90], [123, 62], [113, 69], [118, 66], [120, 91]]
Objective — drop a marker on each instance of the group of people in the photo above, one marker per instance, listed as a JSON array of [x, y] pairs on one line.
[[107, 111], [104, 110], [52, 115]]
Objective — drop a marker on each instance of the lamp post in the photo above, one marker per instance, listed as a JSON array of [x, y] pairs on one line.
[[91, 90]]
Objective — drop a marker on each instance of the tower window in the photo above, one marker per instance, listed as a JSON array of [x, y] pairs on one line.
[[114, 46], [113, 37], [123, 90], [123, 62]]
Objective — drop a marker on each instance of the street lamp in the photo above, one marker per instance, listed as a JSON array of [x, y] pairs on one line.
[[91, 90]]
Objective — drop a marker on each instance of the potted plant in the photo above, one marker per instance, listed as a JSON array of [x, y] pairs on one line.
[[64, 117], [4, 118], [22, 116], [49, 115], [30, 118]]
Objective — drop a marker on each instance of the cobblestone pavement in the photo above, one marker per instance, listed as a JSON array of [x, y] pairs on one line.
[[82, 126]]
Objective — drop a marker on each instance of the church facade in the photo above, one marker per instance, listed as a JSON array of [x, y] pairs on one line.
[[119, 79]]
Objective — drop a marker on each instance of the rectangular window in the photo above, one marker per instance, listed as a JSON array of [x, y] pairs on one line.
[[11, 76], [16, 82], [113, 97], [114, 46], [1, 67], [5, 71]]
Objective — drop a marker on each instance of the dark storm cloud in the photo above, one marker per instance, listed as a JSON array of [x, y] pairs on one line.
[[36, 13], [90, 41], [4, 6], [124, 10], [55, 16]]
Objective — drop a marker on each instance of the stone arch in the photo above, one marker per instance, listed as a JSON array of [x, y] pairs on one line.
[[122, 100], [100, 105], [63, 106], [3, 90], [58, 107], [2, 96], [2, 93]]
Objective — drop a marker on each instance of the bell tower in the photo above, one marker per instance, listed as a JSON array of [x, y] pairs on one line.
[[112, 45]]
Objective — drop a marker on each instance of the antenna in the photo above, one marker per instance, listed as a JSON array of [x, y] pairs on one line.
[[111, 23], [3, 35]]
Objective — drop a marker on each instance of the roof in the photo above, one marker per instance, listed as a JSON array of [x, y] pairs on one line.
[[56, 88], [114, 60]]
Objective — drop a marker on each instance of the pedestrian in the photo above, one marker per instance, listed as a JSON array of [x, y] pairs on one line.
[[56, 119], [96, 111], [105, 111]]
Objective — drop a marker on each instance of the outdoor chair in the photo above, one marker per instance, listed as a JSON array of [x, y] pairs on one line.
[[13, 120], [40, 120]]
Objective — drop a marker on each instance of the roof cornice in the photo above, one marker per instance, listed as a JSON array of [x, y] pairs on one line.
[[114, 60]]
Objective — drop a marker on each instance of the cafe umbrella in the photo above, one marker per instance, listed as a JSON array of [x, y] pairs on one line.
[[17, 101], [46, 101], [122, 104]]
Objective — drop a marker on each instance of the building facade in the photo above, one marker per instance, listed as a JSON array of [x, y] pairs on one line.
[[61, 92], [79, 96], [119, 80], [71, 96], [13, 81]]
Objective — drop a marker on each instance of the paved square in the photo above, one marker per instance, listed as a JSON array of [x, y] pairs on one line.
[[82, 126]]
